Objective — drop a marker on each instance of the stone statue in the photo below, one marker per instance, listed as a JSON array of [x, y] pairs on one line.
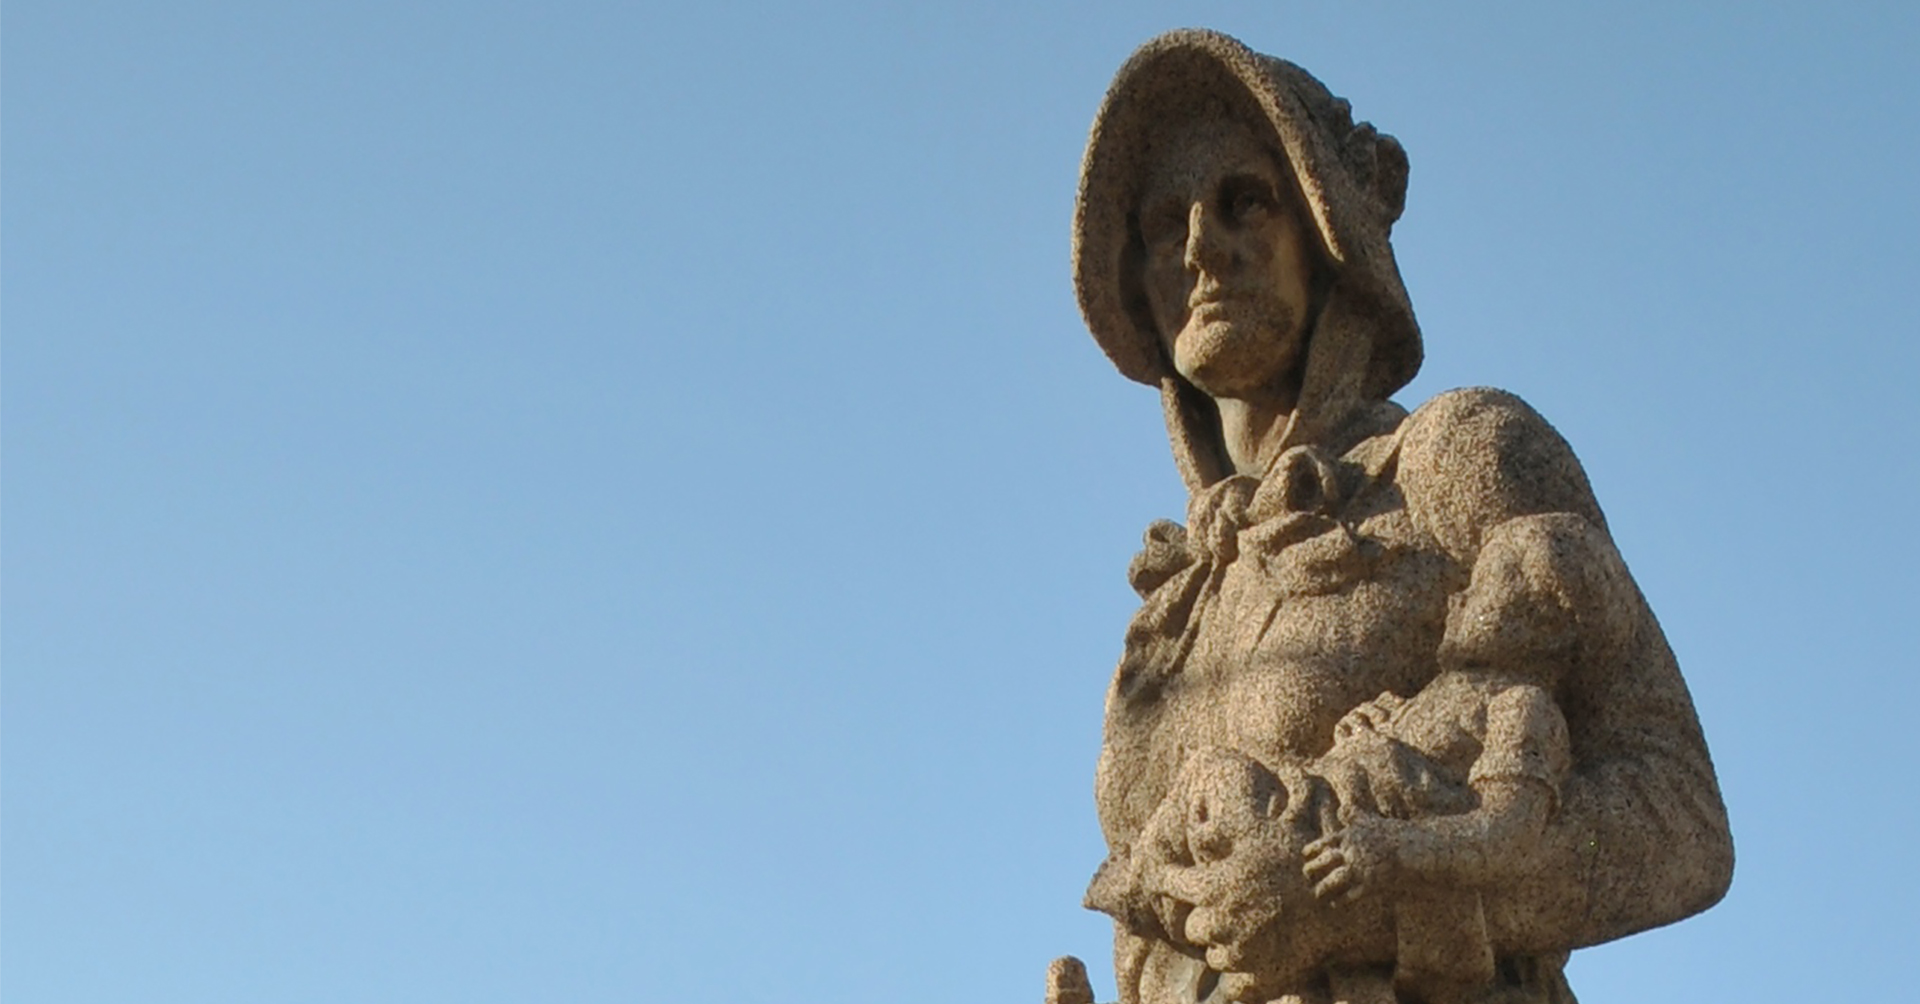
[[1393, 723]]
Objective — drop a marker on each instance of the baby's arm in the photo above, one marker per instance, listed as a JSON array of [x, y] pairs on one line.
[[1522, 764], [1523, 761]]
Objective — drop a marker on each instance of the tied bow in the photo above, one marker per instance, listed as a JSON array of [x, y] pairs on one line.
[[1179, 570]]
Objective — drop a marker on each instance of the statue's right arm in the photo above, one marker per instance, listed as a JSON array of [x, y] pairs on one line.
[[1640, 838]]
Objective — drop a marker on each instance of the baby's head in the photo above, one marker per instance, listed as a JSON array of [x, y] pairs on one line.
[[1546, 590]]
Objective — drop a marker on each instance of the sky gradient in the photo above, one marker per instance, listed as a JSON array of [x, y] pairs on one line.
[[610, 501]]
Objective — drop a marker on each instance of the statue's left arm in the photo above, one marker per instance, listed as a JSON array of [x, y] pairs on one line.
[[1640, 838]]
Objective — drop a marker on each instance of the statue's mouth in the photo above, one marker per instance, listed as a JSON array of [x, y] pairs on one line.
[[1213, 299], [1211, 309]]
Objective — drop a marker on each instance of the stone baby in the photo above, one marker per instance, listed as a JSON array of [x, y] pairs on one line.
[[1385, 845]]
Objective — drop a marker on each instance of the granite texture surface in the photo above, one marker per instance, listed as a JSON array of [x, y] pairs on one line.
[[1392, 723]]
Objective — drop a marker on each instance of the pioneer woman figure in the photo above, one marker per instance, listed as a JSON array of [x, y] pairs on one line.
[[1231, 249]]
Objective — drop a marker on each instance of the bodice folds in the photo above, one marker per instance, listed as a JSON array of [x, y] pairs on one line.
[[1289, 600]]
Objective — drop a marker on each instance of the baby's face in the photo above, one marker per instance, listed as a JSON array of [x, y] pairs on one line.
[[1501, 615]]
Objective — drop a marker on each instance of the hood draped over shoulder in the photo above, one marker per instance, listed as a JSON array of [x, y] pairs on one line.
[[1352, 181]]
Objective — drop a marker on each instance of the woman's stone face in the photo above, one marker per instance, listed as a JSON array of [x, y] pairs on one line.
[[1227, 271]]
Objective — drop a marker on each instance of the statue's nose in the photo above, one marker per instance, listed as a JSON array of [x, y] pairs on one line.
[[1207, 249]]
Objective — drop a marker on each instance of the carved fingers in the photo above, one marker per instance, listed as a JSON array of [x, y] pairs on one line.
[[1370, 716], [1355, 861], [1332, 875], [1207, 859], [1218, 908]]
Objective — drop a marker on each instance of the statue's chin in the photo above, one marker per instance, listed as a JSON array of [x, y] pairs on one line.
[[1227, 358]]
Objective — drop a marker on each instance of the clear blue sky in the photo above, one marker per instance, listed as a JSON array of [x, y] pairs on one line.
[[609, 502]]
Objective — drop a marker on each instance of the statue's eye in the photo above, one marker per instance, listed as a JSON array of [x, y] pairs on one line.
[[1164, 229], [1246, 202]]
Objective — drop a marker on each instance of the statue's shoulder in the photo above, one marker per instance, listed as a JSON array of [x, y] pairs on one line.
[[1471, 459], [1474, 418]]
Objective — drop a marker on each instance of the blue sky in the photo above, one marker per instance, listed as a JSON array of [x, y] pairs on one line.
[[591, 501]]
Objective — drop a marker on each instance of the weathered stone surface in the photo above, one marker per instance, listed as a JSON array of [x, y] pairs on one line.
[[1393, 722]]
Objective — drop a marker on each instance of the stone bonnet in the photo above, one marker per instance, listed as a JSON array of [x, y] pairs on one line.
[[1351, 179]]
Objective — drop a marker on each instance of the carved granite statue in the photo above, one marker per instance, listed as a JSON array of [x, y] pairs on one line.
[[1392, 724]]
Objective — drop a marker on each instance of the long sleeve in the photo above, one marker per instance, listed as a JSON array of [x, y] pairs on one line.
[[1641, 838]]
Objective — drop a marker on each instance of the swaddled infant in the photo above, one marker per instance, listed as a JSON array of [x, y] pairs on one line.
[[1381, 849]]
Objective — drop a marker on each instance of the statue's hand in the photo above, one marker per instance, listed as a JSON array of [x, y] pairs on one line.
[[1370, 716], [1213, 859], [1226, 909], [1361, 859]]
